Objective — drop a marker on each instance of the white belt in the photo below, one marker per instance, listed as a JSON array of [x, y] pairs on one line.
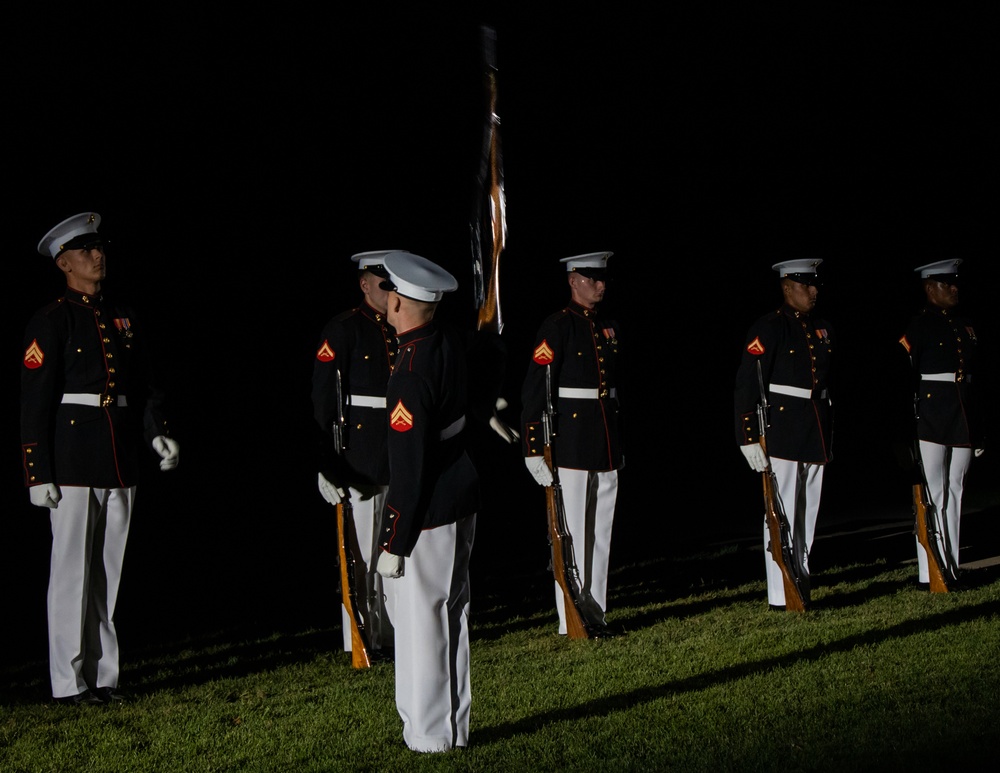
[[944, 377], [453, 429], [366, 401], [577, 393], [806, 394], [94, 401]]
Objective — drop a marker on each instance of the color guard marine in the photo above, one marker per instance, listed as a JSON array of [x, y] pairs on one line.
[[90, 403], [942, 359], [788, 353]]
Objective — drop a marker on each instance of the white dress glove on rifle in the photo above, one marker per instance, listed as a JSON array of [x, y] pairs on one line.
[[169, 451], [389, 565], [45, 495], [507, 433], [539, 470], [755, 455], [331, 493]]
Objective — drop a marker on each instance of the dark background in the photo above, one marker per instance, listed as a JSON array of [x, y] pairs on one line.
[[238, 162]]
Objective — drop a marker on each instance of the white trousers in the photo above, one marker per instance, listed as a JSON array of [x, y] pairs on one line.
[[89, 532], [429, 609], [367, 506], [944, 468], [798, 487], [589, 500]]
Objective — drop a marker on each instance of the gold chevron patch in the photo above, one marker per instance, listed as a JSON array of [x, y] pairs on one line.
[[905, 343], [401, 419], [755, 346], [34, 356], [543, 354], [325, 353]]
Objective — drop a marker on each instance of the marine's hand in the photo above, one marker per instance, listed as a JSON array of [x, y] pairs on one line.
[[755, 456], [169, 451], [507, 433], [389, 565], [539, 470], [979, 452], [329, 491], [45, 495]]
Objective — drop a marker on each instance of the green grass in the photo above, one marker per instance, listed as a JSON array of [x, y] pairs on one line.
[[877, 676]]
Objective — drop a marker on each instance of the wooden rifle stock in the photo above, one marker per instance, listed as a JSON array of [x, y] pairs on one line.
[[360, 648], [779, 532], [921, 509], [780, 544], [563, 561], [563, 564], [940, 567]]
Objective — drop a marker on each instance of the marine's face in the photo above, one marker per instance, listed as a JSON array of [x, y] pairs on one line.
[[377, 297], [800, 297], [941, 294], [586, 291], [84, 267]]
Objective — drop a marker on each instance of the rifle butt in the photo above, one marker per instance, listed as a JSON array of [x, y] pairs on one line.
[[935, 573], [794, 600], [576, 627], [360, 657]]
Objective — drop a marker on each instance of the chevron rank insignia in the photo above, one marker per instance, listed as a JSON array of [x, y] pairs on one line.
[[543, 353], [755, 346], [401, 419], [34, 356], [905, 343], [325, 353]]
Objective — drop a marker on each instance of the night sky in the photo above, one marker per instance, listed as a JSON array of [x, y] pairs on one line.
[[238, 162]]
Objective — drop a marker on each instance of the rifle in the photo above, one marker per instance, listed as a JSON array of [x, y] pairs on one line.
[[360, 646], [940, 567], [563, 560], [780, 542], [489, 217]]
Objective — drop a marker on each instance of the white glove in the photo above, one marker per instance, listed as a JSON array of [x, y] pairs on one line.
[[979, 452], [507, 433], [331, 493], [539, 470], [389, 565], [169, 451], [755, 455], [45, 495]]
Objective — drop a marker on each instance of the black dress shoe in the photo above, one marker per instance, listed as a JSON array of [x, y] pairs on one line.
[[109, 695], [86, 698], [776, 607]]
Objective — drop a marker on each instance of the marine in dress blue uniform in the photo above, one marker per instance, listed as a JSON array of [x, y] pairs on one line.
[[89, 398], [429, 523], [581, 348], [942, 350], [360, 344], [792, 349]]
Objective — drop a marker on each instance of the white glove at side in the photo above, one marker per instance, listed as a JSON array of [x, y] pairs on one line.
[[389, 565], [331, 493], [507, 433], [755, 455], [169, 451], [979, 452], [45, 495], [539, 470]]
